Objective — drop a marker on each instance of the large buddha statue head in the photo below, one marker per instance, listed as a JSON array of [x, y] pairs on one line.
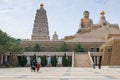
[[86, 14]]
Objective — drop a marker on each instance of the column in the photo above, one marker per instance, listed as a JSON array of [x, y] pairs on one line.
[[49, 60], [73, 56], [1, 59], [39, 60], [96, 60], [59, 60], [5, 58], [93, 59], [100, 60], [28, 60]]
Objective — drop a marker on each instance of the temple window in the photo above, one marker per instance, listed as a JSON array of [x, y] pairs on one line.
[[92, 49], [98, 49], [104, 24], [51, 49], [110, 49]]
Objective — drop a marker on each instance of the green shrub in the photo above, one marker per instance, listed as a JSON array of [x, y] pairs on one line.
[[36, 48], [78, 48], [23, 61], [54, 60], [64, 61], [43, 61]]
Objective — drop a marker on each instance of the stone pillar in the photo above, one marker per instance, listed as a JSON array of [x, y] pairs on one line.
[[39, 60], [28, 61], [100, 60], [1, 59], [59, 62], [73, 56], [48, 62], [96, 60], [6, 58]]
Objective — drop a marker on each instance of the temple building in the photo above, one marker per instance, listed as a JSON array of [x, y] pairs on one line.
[[100, 41]]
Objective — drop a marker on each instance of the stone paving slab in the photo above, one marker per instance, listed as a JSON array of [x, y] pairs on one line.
[[60, 73]]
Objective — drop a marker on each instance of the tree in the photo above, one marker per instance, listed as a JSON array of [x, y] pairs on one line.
[[64, 61], [4, 41], [54, 60], [63, 48], [78, 48], [36, 48], [69, 61], [8, 44], [43, 61], [28, 49]]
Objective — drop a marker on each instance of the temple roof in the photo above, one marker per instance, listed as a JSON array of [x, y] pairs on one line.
[[95, 35]]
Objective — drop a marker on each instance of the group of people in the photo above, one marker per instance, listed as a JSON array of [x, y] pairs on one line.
[[34, 66]]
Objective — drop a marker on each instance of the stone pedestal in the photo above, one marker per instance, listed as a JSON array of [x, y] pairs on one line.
[[27, 65], [59, 65], [59, 60], [48, 62], [48, 65], [28, 62]]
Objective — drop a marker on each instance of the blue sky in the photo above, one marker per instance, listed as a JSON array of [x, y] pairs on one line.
[[17, 16]]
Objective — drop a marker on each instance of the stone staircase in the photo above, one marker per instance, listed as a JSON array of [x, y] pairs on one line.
[[82, 60]]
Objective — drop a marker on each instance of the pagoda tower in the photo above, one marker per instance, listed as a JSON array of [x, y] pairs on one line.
[[40, 29]]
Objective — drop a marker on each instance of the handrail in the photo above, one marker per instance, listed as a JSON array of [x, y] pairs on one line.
[[73, 59]]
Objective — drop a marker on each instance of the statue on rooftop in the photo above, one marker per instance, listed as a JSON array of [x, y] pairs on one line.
[[85, 22]]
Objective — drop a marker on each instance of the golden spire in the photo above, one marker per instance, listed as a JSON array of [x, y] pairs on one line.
[[102, 13], [41, 5]]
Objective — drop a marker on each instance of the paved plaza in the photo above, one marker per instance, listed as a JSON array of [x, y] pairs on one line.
[[67, 73]]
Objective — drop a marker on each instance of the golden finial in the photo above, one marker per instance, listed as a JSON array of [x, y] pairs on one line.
[[102, 13], [41, 4]]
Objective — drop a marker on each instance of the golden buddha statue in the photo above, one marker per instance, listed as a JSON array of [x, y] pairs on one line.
[[86, 22]]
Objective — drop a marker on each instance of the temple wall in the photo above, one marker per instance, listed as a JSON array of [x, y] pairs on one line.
[[46, 44], [106, 55], [115, 56], [87, 46]]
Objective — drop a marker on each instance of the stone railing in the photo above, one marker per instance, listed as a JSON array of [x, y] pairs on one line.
[[47, 53], [80, 52]]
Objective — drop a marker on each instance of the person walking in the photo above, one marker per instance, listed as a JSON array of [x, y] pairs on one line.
[[33, 66], [38, 67]]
